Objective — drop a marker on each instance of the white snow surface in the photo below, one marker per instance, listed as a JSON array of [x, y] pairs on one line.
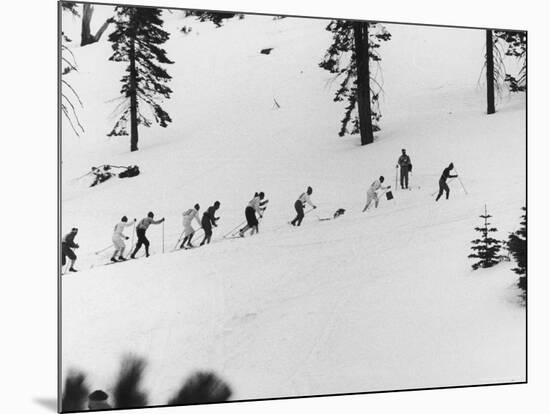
[[382, 300]]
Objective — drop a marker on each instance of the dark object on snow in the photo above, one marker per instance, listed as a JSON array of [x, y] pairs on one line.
[[410, 167], [130, 171], [339, 212], [389, 195], [266, 51], [97, 400], [202, 388]]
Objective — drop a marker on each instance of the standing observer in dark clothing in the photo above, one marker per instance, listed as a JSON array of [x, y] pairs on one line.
[[404, 162], [67, 246], [141, 228], [443, 187], [208, 220]]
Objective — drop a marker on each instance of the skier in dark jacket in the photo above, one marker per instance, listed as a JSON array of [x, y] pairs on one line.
[[404, 162], [141, 228], [443, 187], [208, 220], [300, 204], [67, 246], [256, 205]]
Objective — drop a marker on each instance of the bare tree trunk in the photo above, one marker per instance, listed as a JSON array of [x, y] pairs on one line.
[[133, 97], [102, 29], [490, 73], [361, 35], [87, 37]]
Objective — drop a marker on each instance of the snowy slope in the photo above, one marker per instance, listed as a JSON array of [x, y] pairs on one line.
[[375, 301]]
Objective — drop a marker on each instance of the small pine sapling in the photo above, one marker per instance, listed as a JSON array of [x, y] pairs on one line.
[[486, 249]]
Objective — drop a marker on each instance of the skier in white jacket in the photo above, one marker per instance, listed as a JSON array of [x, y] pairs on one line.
[[372, 192], [188, 231], [119, 237], [305, 198]]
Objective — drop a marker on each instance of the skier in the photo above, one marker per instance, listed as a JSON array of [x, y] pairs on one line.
[[141, 228], [119, 237], [101, 174], [67, 246], [97, 400], [300, 204], [188, 231], [208, 220], [256, 205], [404, 162], [371, 192], [443, 187]]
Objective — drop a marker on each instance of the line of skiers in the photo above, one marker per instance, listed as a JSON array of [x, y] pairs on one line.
[[253, 214]]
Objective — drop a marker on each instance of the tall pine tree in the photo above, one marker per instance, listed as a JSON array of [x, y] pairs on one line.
[[352, 56], [486, 248], [490, 71], [136, 40]]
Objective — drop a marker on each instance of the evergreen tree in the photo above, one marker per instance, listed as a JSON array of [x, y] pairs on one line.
[[136, 40], [517, 245], [209, 16], [69, 96], [515, 47], [352, 56], [486, 248], [499, 46]]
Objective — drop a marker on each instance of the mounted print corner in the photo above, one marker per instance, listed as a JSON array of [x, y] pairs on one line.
[[262, 207]]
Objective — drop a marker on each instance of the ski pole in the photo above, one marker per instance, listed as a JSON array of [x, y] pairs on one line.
[[102, 250], [461, 183], [396, 168], [179, 238], [133, 232], [234, 228]]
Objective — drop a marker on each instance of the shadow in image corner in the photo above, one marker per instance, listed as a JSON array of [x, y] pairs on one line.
[[49, 403]]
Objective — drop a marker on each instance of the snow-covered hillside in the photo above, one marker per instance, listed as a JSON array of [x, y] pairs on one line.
[[370, 301]]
